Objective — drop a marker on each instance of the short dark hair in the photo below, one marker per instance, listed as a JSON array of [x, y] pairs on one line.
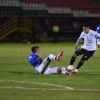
[[86, 25], [33, 49]]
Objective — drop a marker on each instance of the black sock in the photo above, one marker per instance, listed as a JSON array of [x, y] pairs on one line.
[[79, 65], [72, 60]]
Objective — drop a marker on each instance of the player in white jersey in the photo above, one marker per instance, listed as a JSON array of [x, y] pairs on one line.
[[43, 66], [88, 48]]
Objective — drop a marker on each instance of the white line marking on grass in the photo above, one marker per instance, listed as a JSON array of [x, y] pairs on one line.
[[14, 87], [69, 88], [60, 86], [54, 89]]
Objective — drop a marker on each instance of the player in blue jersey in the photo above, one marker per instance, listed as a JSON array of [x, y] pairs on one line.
[[43, 66], [98, 39]]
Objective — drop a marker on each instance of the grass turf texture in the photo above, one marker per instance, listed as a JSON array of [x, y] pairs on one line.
[[14, 66]]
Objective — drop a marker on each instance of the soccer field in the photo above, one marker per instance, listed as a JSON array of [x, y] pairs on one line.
[[19, 81]]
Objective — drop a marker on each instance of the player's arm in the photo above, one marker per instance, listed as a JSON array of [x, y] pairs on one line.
[[39, 53], [75, 46], [97, 34], [38, 58], [33, 60]]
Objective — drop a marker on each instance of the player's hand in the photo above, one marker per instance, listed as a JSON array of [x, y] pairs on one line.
[[39, 53], [75, 46]]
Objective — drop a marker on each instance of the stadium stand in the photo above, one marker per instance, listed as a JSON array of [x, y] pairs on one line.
[[50, 8], [23, 27], [69, 15], [87, 7]]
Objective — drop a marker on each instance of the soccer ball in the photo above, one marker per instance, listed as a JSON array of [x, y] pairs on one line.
[[70, 68]]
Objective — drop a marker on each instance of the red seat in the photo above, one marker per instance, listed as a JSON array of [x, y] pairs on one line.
[[89, 5]]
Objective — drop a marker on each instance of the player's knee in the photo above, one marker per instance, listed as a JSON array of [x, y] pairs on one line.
[[81, 61], [48, 59], [74, 55], [84, 59], [59, 69]]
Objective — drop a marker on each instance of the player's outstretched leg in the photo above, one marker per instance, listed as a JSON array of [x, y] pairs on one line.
[[59, 55], [73, 59], [44, 65], [64, 71]]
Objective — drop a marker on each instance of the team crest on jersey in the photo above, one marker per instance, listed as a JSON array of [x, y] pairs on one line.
[[90, 34], [84, 35]]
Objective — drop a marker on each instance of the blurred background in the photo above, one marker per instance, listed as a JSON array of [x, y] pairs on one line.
[[33, 21]]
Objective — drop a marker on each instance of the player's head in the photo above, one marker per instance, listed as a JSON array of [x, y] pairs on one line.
[[34, 49], [86, 27]]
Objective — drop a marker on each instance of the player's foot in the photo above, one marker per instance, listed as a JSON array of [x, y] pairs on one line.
[[59, 55], [93, 55], [76, 70], [72, 73]]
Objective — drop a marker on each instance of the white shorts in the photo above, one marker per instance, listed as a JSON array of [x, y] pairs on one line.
[[51, 70], [41, 67], [98, 41], [44, 67]]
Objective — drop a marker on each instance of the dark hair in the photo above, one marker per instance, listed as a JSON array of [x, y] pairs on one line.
[[33, 49], [86, 25]]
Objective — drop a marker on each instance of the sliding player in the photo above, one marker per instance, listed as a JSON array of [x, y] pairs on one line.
[[43, 66]]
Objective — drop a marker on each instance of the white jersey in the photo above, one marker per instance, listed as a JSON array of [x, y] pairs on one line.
[[89, 40]]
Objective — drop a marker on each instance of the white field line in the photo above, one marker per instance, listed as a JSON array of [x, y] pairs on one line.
[[13, 87], [60, 86], [69, 88]]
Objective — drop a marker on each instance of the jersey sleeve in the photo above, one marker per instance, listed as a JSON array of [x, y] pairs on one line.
[[32, 60], [97, 34]]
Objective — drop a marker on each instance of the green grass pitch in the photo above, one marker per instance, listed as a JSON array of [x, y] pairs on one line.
[[19, 81]]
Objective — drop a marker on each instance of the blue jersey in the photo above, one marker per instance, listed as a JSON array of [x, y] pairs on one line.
[[98, 29], [33, 60]]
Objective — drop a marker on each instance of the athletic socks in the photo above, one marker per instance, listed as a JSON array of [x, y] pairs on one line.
[[72, 60], [76, 70], [79, 65], [52, 57], [63, 70]]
